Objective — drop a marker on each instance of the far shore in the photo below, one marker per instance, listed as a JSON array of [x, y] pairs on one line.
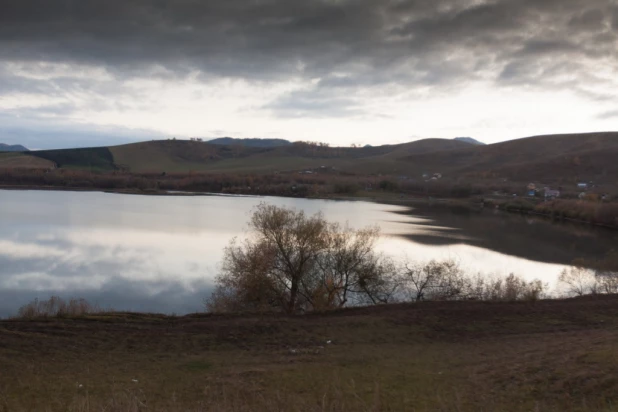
[[387, 198]]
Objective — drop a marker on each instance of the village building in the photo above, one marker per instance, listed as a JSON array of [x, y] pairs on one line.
[[551, 193]]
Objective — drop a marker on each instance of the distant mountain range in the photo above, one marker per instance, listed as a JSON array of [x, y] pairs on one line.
[[469, 140], [230, 141], [12, 148]]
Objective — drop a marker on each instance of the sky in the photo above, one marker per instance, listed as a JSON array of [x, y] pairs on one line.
[[77, 73]]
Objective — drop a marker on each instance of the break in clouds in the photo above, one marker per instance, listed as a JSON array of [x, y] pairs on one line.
[[75, 63]]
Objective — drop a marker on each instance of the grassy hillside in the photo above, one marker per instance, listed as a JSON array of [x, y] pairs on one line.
[[544, 159], [585, 156], [184, 156], [12, 160], [433, 356], [94, 158]]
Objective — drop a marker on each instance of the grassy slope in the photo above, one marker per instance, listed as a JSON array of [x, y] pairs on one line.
[[12, 160], [467, 356], [540, 157], [92, 158], [583, 156], [182, 156]]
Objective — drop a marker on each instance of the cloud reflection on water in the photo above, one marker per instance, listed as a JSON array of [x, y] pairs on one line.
[[127, 252], [161, 254]]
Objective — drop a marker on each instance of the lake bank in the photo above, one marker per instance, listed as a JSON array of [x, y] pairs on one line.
[[523, 206], [469, 356]]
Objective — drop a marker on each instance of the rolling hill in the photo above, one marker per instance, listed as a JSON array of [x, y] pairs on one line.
[[229, 141], [16, 160], [585, 156], [549, 158], [469, 140], [96, 158], [183, 156]]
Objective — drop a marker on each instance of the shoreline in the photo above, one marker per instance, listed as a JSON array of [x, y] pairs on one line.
[[394, 200]]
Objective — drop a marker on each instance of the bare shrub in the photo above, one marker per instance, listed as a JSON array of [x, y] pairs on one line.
[[514, 288], [56, 307], [607, 272], [579, 281], [446, 280], [433, 281], [592, 276]]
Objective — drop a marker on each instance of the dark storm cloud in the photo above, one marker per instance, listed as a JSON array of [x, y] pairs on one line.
[[590, 20], [345, 43], [260, 38]]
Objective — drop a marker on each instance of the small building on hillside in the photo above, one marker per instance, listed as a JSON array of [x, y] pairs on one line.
[[551, 193]]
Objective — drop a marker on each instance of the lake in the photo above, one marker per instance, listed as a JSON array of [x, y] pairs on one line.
[[161, 253]]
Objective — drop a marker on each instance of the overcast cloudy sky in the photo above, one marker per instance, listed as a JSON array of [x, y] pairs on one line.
[[92, 72]]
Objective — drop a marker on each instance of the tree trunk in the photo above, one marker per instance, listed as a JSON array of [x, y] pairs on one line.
[[293, 296]]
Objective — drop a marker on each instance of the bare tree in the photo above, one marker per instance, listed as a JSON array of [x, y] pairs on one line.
[[579, 281], [294, 262], [352, 270], [588, 276], [434, 281], [607, 272]]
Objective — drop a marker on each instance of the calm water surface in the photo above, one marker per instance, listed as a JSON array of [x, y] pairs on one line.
[[160, 254]]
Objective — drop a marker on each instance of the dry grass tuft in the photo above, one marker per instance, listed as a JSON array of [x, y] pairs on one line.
[[57, 307]]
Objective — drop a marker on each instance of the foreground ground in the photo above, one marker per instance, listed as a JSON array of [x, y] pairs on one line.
[[464, 356]]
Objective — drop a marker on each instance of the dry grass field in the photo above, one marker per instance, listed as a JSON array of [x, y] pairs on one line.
[[10, 160], [437, 356]]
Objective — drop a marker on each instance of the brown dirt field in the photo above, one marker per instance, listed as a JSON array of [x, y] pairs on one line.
[[466, 356]]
